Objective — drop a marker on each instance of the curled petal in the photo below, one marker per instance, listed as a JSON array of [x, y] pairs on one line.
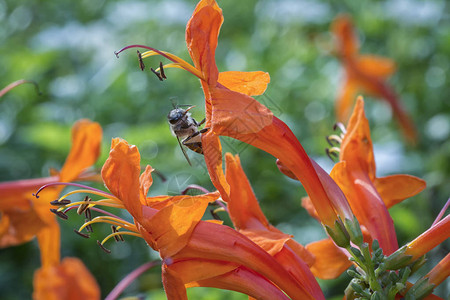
[[86, 142], [395, 188], [121, 173], [202, 32], [146, 182], [330, 260]]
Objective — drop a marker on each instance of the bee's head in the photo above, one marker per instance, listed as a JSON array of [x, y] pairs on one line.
[[175, 115]]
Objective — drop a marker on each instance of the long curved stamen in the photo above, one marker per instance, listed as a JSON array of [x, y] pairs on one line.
[[14, 84], [120, 233], [110, 220], [441, 213], [91, 189], [152, 51]]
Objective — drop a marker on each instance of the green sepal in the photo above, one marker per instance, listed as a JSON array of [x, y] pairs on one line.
[[354, 231], [398, 259], [339, 234]]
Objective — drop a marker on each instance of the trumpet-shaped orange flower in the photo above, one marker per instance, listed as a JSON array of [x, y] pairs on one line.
[[249, 219], [369, 196], [366, 73], [193, 251], [24, 216], [435, 235], [230, 111]]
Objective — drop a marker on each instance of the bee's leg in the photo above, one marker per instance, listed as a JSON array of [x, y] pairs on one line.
[[201, 122], [194, 142]]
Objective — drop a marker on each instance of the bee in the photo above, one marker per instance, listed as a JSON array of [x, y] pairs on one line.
[[186, 130]]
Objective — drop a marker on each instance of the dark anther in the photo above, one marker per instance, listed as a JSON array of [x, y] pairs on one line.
[[340, 126], [103, 248], [116, 54], [215, 215], [332, 155], [88, 227], [157, 74], [61, 202], [87, 214], [81, 234], [141, 62], [118, 238], [161, 69], [84, 206], [59, 213], [329, 141]]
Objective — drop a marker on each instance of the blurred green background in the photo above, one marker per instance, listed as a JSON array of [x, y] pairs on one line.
[[67, 48]]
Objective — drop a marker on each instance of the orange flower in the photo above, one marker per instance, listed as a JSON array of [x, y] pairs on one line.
[[24, 216], [193, 251], [68, 280], [232, 112], [249, 220], [369, 196], [435, 235], [365, 73]]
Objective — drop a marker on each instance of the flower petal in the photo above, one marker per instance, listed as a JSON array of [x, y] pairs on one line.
[[202, 32], [272, 242], [243, 207], [212, 150], [49, 239], [241, 114], [395, 188], [330, 260], [121, 173], [218, 242], [346, 99], [347, 42], [86, 142], [18, 227], [172, 226], [376, 65], [249, 83], [245, 281], [146, 182], [356, 147], [69, 280]]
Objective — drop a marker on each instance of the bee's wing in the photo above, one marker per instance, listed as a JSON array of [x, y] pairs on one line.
[[184, 152]]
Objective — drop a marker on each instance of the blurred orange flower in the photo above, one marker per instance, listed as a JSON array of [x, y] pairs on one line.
[[24, 216], [366, 73]]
